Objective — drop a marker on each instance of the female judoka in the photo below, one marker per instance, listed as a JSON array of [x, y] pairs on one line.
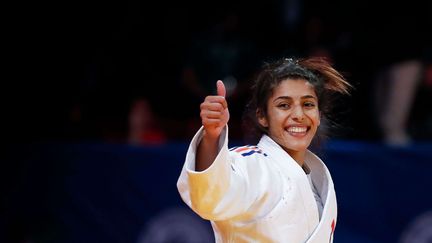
[[276, 190]]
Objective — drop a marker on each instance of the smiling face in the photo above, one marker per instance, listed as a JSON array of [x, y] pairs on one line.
[[292, 116]]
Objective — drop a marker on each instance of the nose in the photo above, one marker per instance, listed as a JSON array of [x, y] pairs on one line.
[[298, 113]]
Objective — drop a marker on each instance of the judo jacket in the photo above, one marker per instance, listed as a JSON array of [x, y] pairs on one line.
[[258, 193]]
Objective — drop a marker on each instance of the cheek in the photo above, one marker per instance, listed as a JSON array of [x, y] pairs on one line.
[[277, 119], [315, 118]]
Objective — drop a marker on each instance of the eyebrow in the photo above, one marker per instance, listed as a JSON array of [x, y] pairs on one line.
[[290, 98]]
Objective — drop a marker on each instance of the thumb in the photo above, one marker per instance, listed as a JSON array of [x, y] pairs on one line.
[[220, 88]]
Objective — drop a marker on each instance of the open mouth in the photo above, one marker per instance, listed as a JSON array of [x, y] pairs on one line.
[[297, 131]]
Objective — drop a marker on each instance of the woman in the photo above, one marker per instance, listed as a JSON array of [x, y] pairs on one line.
[[277, 191]]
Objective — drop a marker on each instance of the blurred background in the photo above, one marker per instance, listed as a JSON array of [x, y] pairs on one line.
[[102, 98]]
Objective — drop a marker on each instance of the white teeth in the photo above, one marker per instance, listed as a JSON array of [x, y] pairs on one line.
[[297, 129]]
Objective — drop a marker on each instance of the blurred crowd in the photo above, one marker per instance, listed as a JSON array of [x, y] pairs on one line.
[[138, 76]]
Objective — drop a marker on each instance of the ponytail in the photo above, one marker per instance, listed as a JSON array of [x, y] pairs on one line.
[[332, 79]]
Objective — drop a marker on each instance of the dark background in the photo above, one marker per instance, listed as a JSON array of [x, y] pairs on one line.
[[96, 57], [74, 68]]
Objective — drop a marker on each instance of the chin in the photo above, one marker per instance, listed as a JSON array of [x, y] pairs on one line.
[[296, 147], [292, 146]]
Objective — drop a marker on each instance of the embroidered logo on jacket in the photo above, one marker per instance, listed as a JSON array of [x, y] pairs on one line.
[[248, 150]]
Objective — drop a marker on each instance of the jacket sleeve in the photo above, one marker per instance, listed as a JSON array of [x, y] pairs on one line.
[[232, 187]]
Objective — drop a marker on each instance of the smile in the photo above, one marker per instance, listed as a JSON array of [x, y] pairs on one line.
[[297, 129]]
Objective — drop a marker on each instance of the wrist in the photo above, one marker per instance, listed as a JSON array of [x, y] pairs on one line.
[[210, 137]]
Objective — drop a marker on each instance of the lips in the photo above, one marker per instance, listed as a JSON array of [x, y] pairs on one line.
[[297, 131]]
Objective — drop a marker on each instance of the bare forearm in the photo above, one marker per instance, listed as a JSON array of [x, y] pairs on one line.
[[206, 152]]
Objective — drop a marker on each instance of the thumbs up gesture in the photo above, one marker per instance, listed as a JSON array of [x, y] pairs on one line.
[[214, 112]]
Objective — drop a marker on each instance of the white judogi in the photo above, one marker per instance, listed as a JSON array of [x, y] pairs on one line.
[[259, 194]]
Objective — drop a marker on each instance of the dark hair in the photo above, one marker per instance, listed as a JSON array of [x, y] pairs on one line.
[[317, 71]]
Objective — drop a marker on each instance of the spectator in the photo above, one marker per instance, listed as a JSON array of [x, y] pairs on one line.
[[143, 125]]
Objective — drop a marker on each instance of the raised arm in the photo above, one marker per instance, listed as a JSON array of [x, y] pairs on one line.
[[214, 116], [218, 184]]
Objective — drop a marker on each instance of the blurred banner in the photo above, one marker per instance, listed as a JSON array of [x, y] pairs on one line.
[[124, 194]]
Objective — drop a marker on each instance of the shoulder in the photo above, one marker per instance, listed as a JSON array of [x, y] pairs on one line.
[[251, 160], [248, 151], [312, 157]]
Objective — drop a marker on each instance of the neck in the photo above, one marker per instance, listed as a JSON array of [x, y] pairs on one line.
[[298, 156]]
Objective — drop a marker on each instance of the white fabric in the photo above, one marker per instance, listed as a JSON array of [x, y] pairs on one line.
[[264, 196], [316, 195]]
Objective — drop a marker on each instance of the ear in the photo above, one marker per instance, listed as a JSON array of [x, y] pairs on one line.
[[262, 119], [319, 118]]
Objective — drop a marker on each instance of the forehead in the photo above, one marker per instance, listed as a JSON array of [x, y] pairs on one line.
[[294, 88]]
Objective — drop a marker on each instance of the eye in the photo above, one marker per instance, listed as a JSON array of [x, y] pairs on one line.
[[283, 106], [309, 104]]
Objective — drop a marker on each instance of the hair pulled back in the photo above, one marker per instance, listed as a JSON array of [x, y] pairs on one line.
[[325, 80]]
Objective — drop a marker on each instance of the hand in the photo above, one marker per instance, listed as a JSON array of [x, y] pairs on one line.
[[214, 112]]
